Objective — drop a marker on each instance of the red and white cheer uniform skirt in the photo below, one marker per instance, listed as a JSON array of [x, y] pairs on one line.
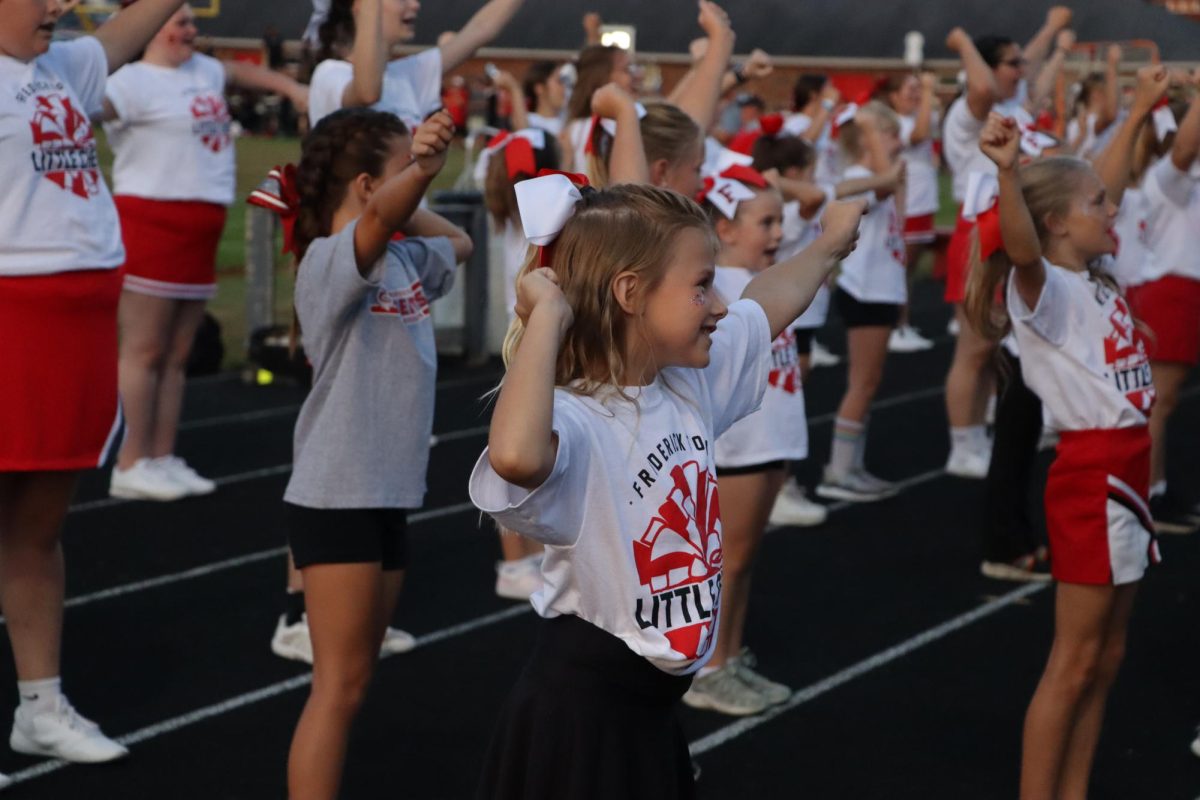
[[170, 246], [1097, 516], [58, 346]]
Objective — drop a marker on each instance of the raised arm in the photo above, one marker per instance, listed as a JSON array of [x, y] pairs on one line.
[[520, 108], [830, 97], [1036, 49], [1112, 90], [627, 161], [1187, 138], [128, 33], [391, 205], [522, 446], [923, 125], [1047, 75], [701, 92], [368, 56], [809, 195], [252, 76], [787, 288], [1001, 142], [479, 31], [1115, 164], [981, 83]]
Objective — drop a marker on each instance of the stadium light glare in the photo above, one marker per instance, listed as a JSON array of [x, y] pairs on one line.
[[622, 36]]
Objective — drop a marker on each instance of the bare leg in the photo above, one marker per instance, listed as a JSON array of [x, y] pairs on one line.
[[145, 323], [867, 352], [1168, 380], [32, 508], [1081, 623], [746, 504], [966, 398], [1081, 747], [169, 400], [345, 617]]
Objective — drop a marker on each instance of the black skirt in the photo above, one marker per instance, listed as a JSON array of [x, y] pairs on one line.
[[588, 719]]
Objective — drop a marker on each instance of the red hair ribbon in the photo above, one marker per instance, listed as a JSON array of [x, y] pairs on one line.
[[769, 126], [988, 224], [278, 193]]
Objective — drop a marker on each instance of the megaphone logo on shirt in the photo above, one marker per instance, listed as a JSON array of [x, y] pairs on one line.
[[211, 121], [64, 148]]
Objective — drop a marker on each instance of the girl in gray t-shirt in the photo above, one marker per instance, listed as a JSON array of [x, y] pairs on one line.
[[362, 437]]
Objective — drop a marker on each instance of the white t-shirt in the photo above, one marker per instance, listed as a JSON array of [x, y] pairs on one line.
[[629, 514], [779, 430], [874, 272], [921, 188], [172, 138], [551, 125], [412, 87], [799, 233], [828, 158], [1173, 222], [1135, 258], [1080, 353], [56, 214], [577, 136], [960, 138]]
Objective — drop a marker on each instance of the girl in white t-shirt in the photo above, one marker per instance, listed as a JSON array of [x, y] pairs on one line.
[[871, 289], [596, 66], [752, 456], [1083, 356], [516, 157], [59, 286], [355, 39], [624, 367], [173, 179], [362, 437]]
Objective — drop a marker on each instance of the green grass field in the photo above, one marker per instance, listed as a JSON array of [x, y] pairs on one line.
[[255, 156]]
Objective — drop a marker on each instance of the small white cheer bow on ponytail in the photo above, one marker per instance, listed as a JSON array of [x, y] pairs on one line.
[[320, 13]]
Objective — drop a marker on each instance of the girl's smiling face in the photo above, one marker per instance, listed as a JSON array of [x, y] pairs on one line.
[[27, 26], [751, 240]]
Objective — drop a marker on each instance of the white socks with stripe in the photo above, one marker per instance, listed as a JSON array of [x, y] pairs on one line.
[[971, 438], [849, 439]]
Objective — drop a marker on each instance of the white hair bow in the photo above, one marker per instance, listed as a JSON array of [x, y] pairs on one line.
[[545, 205], [320, 13]]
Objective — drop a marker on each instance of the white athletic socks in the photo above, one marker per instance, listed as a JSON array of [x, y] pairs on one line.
[[39, 696], [971, 438], [848, 437]]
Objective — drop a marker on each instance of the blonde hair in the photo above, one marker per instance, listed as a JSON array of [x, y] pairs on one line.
[[1048, 187], [625, 228], [667, 132], [850, 139]]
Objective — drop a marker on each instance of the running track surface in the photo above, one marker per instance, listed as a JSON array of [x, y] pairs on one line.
[[912, 672]]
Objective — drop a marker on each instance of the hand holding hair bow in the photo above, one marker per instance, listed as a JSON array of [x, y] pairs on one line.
[[545, 203], [278, 193]]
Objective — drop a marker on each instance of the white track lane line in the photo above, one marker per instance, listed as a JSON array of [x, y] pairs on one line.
[[730, 732]]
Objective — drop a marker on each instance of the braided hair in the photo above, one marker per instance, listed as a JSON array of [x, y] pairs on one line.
[[342, 146]]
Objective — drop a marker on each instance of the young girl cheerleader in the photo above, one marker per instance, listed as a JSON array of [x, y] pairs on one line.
[[871, 289], [59, 286], [1080, 352], [752, 456], [355, 39], [624, 368], [362, 437], [173, 178], [597, 66], [1167, 298]]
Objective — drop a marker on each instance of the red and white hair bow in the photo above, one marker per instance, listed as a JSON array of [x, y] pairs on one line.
[[769, 126], [726, 190], [609, 126], [545, 203], [1033, 142], [278, 193], [518, 147], [843, 117], [1164, 120]]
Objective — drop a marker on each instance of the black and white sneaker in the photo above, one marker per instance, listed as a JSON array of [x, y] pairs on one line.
[[1028, 568], [856, 486]]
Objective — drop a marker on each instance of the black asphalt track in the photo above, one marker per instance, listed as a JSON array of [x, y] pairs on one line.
[[915, 670]]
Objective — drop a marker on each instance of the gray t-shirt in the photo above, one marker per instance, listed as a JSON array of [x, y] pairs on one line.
[[362, 437]]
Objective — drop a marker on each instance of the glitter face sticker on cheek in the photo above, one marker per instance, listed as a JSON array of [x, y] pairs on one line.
[[699, 299]]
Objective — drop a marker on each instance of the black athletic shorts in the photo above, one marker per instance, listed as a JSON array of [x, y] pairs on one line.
[[804, 340], [348, 536], [750, 469], [857, 314]]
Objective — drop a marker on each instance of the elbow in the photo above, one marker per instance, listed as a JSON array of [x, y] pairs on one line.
[[520, 468], [464, 248]]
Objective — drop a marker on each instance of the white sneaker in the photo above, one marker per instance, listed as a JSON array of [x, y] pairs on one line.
[[5, 780], [854, 487], [966, 463], [823, 358], [518, 580], [292, 641], [145, 480], [397, 641], [184, 475], [792, 507], [62, 733], [906, 339]]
